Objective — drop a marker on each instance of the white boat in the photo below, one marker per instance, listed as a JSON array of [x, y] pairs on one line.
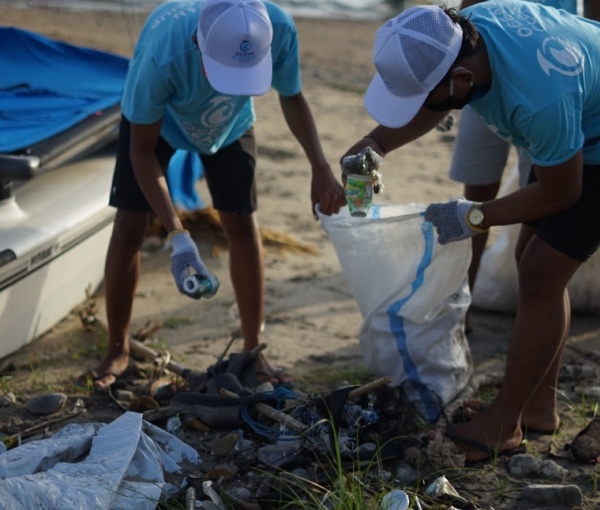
[[60, 113], [54, 233]]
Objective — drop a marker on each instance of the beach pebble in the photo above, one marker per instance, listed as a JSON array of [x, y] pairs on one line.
[[553, 471], [524, 464], [569, 495], [8, 399], [46, 404]]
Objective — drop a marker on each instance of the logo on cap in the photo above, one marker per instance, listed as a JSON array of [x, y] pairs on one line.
[[245, 54]]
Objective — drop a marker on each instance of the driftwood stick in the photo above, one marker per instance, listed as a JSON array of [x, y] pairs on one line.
[[272, 413], [148, 330], [14, 440], [366, 388], [143, 351], [154, 415], [140, 349]]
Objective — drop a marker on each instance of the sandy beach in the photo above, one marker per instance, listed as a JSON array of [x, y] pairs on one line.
[[312, 320]]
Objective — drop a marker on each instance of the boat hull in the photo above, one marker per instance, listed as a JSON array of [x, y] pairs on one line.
[[54, 234]]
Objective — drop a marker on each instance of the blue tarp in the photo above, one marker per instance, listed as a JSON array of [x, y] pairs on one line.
[[47, 86]]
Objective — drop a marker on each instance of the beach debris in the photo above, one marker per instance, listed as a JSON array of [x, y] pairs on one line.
[[442, 491], [222, 446], [265, 446], [163, 390], [124, 464], [140, 404], [190, 498], [586, 445], [212, 494], [365, 163], [47, 403], [205, 224], [395, 500]]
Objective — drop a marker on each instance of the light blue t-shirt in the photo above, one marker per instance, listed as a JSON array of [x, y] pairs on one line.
[[166, 79], [545, 92], [567, 5]]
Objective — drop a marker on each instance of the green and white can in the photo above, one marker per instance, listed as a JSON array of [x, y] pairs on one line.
[[359, 194]]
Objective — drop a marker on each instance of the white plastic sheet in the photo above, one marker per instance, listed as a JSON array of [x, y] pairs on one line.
[[413, 296], [121, 465]]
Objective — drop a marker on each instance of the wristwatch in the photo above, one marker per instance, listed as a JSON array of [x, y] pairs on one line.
[[475, 218]]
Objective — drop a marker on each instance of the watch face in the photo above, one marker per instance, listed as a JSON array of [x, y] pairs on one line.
[[476, 216]]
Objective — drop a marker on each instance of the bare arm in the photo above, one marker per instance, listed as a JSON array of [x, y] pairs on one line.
[[150, 175], [326, 190], [558, 187], [383, 139]]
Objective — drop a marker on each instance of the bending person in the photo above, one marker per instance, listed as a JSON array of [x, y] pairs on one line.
[[479, 157], [531, 72], [189, 86]]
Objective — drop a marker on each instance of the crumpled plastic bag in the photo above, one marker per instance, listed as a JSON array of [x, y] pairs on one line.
[[121, 465]]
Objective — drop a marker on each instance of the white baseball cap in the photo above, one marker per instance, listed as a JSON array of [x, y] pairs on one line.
[[412, 53], [234, 37]]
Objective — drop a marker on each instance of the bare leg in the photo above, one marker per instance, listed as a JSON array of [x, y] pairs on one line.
[[541, 328], [246, 267], [541, 413], [478, 194], [121, 276]]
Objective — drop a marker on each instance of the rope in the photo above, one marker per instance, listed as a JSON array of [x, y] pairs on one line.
[[279, 394]]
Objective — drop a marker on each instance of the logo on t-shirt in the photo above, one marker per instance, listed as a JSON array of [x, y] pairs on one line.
[[561, 56]]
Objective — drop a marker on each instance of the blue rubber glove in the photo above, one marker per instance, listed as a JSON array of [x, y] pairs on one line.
[[186, 263], [450, 220]]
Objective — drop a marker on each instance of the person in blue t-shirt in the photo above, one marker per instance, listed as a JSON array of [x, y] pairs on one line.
[[479, 156], [189, 86], [532, 73]]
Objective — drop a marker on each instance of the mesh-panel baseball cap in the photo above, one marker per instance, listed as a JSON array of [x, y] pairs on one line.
[[412, 53], [234, 37]]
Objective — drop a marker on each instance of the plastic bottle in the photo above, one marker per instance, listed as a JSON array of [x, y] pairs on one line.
[[196, 285]]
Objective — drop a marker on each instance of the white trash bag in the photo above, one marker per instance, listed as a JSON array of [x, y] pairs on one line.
[[413, 295], [496, 286]]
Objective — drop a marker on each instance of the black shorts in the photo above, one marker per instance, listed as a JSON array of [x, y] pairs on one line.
[[229, 174], [576, 230]]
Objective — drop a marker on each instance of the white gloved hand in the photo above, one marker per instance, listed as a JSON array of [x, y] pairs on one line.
[[450, 220], [186, 262]]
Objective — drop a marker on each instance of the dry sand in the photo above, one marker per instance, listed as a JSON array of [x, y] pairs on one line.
[[312, 321]]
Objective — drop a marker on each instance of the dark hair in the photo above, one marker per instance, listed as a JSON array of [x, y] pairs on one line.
[[471, 39]]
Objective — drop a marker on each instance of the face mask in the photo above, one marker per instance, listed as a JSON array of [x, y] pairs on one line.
[[454, 103]]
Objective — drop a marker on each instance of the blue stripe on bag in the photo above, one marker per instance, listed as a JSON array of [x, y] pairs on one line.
[[397, 324]]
